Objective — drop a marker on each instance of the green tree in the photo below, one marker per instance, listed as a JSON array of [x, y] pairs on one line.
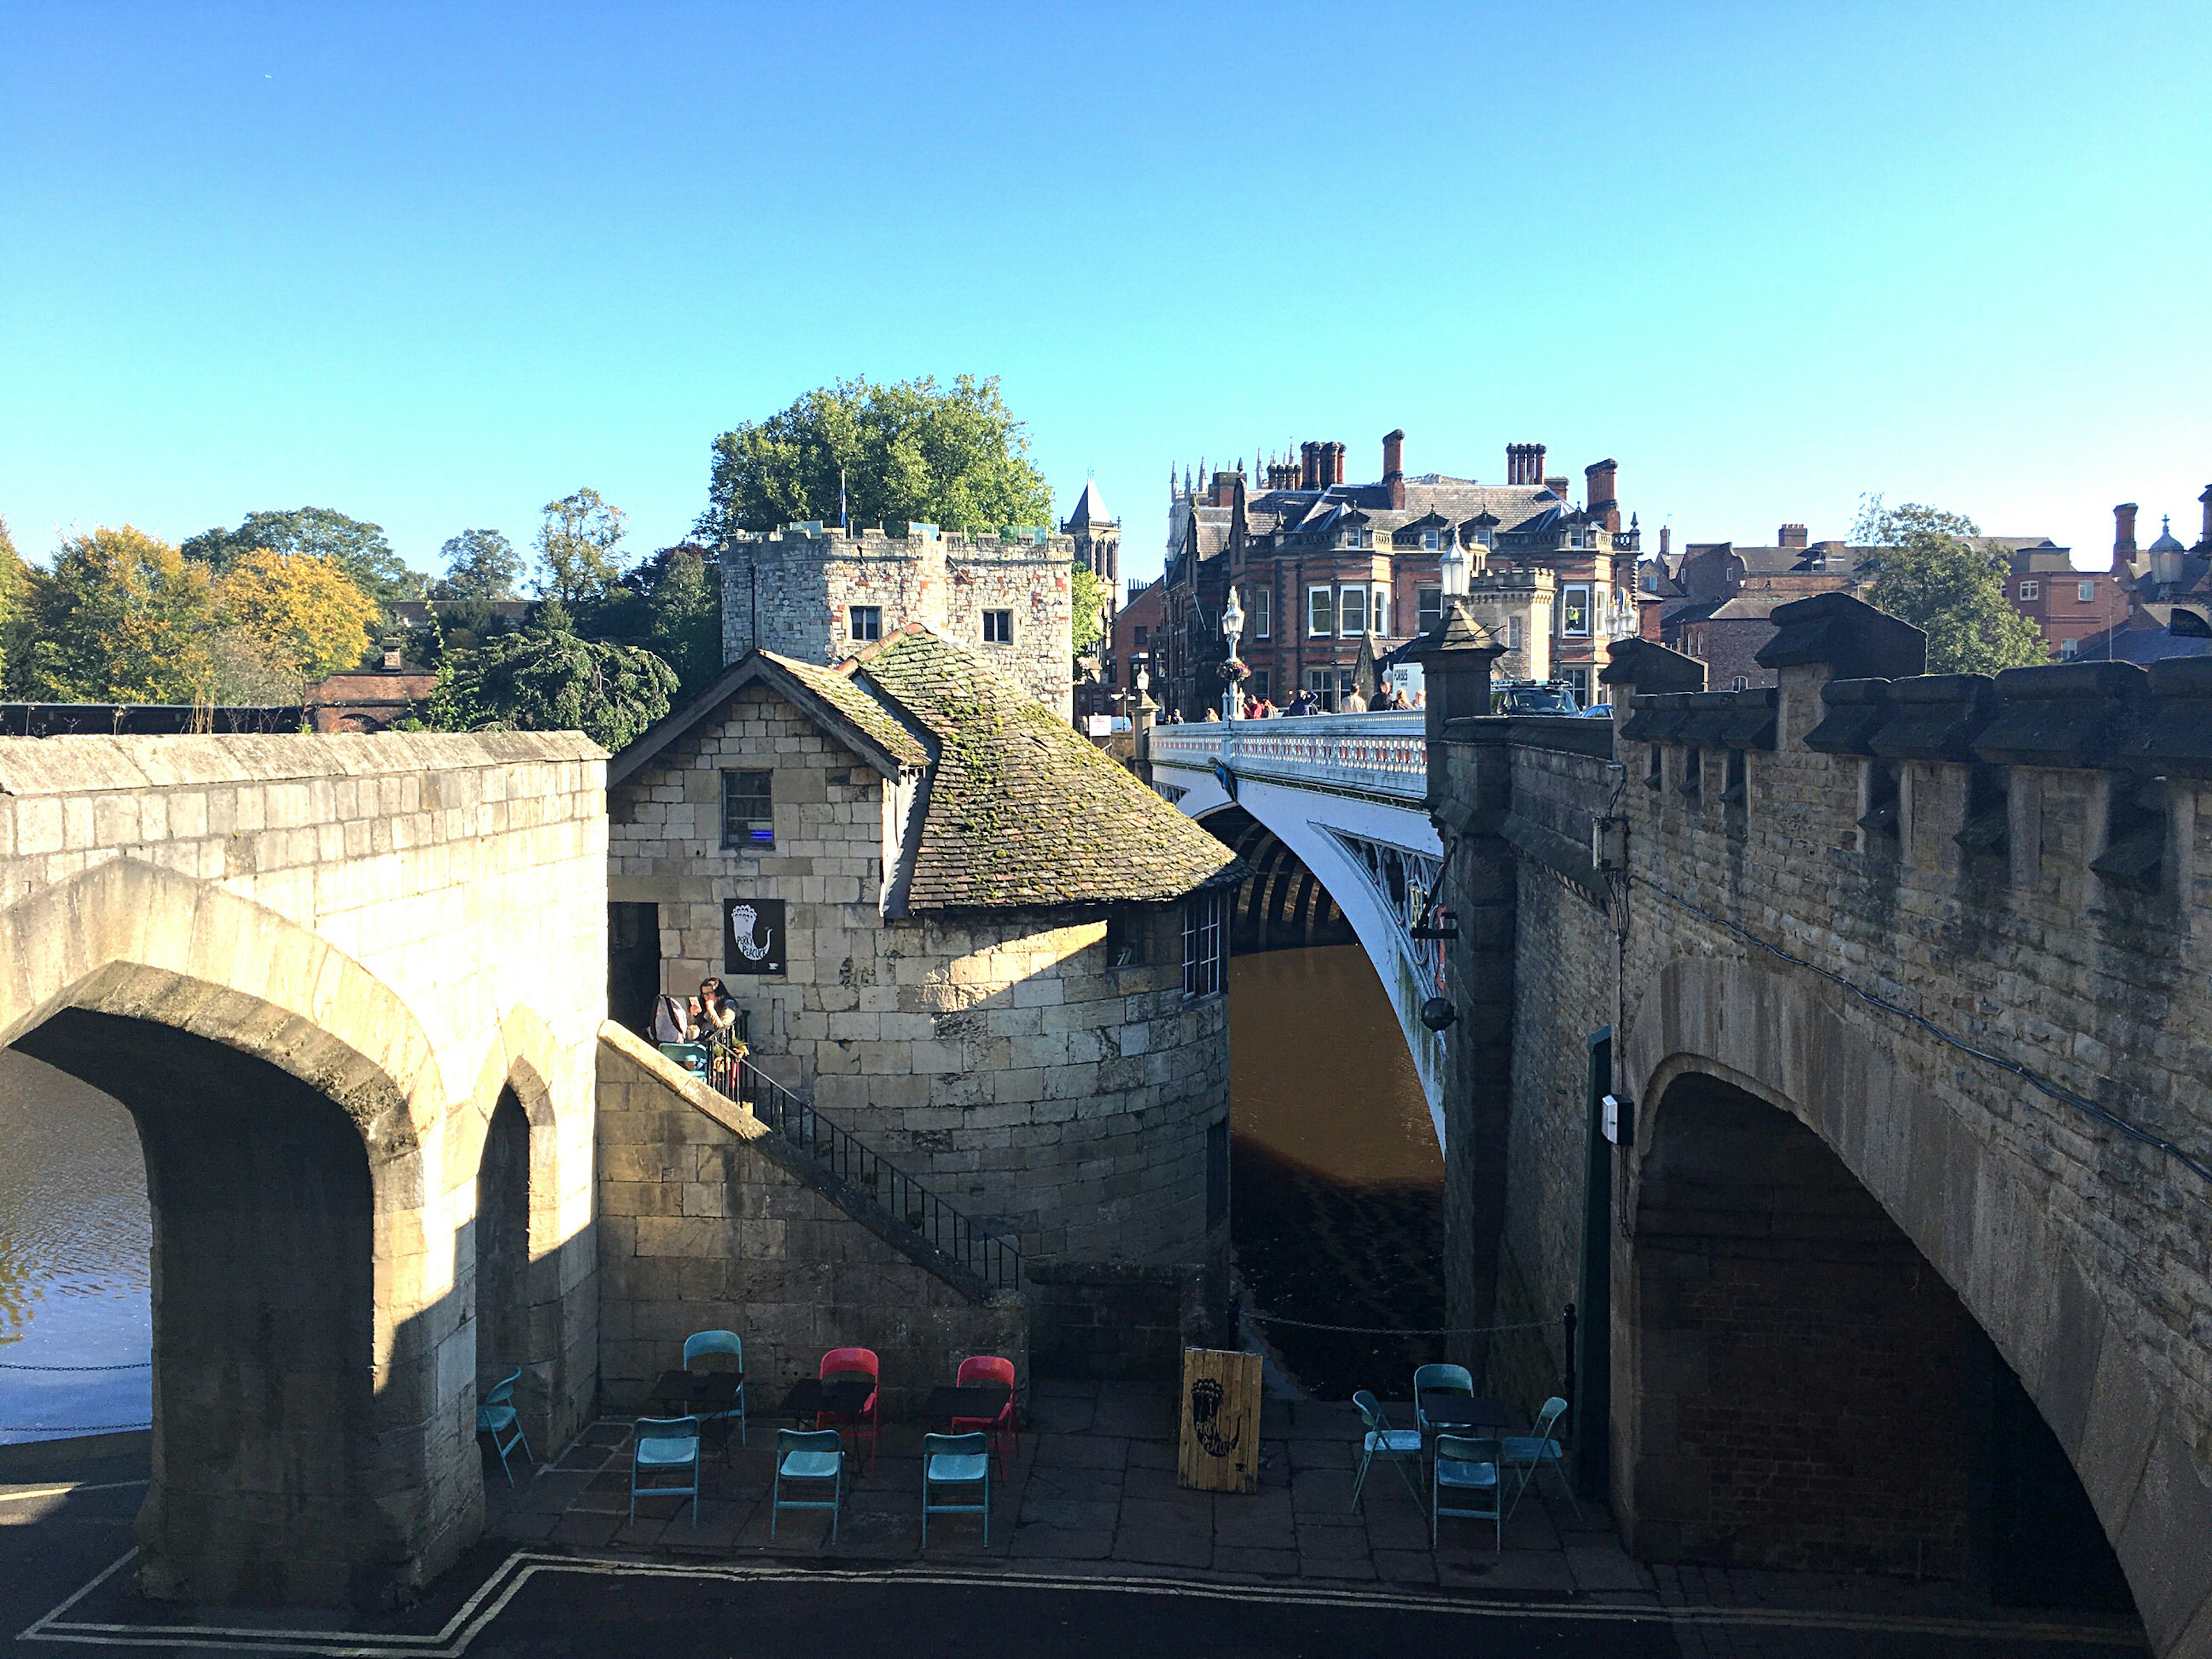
[[1087, 595], [480, 564], [680, 589], [549, 678], [120, 618], [906, 451], [14, 613], [1928, 568], [577, 543], [305, 613], [359, 547]]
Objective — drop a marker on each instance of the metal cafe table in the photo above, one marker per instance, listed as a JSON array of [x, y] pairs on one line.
[[703, 1394], [1463, 1412], [978, 1401], [841, 1392]]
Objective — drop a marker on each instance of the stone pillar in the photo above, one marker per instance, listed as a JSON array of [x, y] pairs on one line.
[[1142, 713]]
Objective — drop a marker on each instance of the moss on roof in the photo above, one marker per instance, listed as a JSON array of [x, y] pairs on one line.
[[834, 688], [1024, 809]]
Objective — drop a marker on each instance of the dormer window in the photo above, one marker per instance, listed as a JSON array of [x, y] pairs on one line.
[[1430, 542]]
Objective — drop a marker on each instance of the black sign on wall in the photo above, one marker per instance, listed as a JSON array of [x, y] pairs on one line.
[[752, 936]]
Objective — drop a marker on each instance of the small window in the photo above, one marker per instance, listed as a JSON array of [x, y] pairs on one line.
[[1205, 943], [1429, 607], [748, 809], [1263, 684], [1513, 633], [2068, 650], [1261, 608], [1144, 636], [865, 622], [1576, 680], [998, 628], [1382, 611], [1743, 683], [1351, 612], [2028, 590], [1574, 609], [1125, 938], [1429, 541], [1321, 612], [2085, 592]]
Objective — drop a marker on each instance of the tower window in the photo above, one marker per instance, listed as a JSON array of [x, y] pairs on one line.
[[998, 628], [748, 809], [865, 622]]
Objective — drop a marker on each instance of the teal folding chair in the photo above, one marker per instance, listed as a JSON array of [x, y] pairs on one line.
[[1396, 1446], [659, 1446], [1466, 1470], [1530, 1455], [1438, 1379], [691, 1056], [495, 1416], [810, 1455], [702, 1345], [956, 1460]]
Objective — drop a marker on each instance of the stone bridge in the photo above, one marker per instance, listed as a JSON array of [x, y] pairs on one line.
[[1896, 1258], [350, 989], [1345, 794]]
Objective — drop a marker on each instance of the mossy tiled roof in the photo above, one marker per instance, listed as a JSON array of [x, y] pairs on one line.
[[834, 688], [1023, 810]]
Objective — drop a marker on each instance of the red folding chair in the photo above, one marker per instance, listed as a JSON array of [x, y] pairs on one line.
[[1003, 1428], [865, 1419]]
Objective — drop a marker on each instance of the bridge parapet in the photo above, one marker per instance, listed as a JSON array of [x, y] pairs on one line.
[[1382, 755]]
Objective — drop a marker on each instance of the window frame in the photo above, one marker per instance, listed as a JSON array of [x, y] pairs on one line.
[[1204, 945], [1321, 619], [1378, 609], [1568, 607], [1262, 607], [2085, 593], [1428, 608], [753, 840], [1344, 600], [2030, 591], [1006, 622], [1432, 541], [874, 629]]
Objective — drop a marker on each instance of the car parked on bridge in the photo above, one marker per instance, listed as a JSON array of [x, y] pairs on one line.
[[1531, 697]]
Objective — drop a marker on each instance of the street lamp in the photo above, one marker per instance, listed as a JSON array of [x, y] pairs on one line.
[[1232, 629], [1452, 566]]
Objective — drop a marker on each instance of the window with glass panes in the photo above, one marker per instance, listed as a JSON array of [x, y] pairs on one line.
[[748, 809], [998, 628], [865, 622], [1321, 611], [1261, 606], [1429, 607], [1352, 611], [1205, 943]]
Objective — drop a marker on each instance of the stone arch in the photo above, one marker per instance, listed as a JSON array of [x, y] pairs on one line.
[[1963, 1206], [284, 1097]]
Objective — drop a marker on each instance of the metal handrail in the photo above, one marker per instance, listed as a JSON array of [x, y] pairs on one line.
[[867, 1176]]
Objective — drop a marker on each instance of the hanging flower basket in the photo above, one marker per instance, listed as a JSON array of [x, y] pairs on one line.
[[1235, 669]]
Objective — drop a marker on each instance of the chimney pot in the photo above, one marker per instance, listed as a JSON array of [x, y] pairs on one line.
[[2124, 529], [1793, 535], [1603, 479], [1393, 467], [2204, 539], [1666, 539]]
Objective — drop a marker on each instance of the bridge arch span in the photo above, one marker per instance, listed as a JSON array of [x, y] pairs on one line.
[[1710, 1033]]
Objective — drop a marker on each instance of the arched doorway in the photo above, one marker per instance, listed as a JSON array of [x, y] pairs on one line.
[[1804, 1390], [503, 1300], [264, 1370]]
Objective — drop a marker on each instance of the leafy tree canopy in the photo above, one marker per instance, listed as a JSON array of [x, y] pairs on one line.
[[480, 564], [908, 451], [548, 679], [359, 547], [120, 618], [577, 544], [1927, 569], [1088, 594], [15, 606], [306, 613], [670, 604]]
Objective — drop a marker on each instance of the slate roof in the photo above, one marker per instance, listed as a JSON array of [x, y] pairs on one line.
[[856, 720], [1090, 509], [1021, 810]]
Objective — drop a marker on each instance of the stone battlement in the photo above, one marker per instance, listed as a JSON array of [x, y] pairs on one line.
[[812, 540]]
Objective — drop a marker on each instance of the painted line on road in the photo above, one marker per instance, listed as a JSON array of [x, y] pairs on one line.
[[497, 1592], [64, 1492]]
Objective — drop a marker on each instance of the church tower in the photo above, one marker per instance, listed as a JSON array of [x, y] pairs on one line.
[[1098, 537]]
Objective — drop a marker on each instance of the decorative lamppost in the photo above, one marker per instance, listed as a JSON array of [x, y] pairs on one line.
[[1232, 670], [1452, 566]]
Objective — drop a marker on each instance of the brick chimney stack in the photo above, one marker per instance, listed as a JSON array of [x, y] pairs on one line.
[[2124, 532], [1335, 463], [1525, 464], [1603, 480], [1794, 535], [1394, 466], [1666, 540], [1309, 466], [2204, 540]]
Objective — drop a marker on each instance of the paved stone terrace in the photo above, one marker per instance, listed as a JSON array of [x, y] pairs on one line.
[[1093, 1491]]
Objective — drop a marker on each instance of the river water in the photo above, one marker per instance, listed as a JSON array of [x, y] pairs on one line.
[[74, 1234], [1338, 1206]]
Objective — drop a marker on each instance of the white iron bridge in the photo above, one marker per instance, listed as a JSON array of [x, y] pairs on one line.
[[1344, 792]]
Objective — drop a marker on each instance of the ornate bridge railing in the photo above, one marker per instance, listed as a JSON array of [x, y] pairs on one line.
[[869, 1181], [1372, 754]]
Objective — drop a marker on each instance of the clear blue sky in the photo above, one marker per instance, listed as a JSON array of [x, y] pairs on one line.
[[434, 266]]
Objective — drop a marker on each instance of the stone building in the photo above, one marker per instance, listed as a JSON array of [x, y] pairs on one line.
[[1322, 565], [1834, 1047], [1096, 535], [971, 938], [820, 594]]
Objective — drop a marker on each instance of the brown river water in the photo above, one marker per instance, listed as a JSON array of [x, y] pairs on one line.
[[1337, 1205]]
